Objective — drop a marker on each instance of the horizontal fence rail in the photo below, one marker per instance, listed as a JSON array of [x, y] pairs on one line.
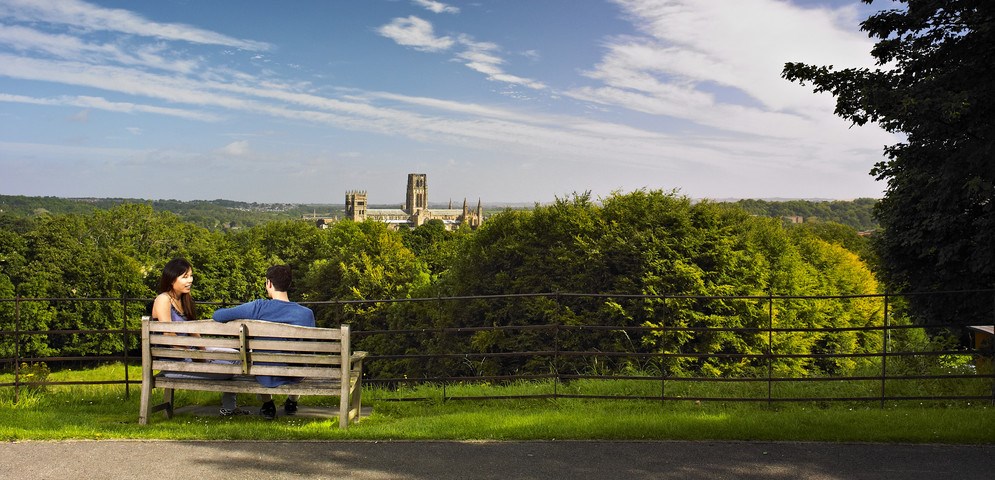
[[561, 358]]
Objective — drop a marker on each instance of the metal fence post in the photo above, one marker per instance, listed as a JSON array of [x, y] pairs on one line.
[[556, 358], [17, 346], [663, 371], [770, 346], [124, 344], [884, 351], [991, 349], [556, 349]]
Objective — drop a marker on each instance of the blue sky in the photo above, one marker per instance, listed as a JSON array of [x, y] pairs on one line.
[[503, 101]]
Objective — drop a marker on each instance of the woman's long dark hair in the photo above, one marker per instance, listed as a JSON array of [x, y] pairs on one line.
[[173, 270]]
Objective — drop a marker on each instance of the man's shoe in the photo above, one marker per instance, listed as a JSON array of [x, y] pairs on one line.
[[229, 412], [268, 410], [290, 407]]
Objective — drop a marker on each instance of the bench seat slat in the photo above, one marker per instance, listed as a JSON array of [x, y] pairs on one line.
[[248, 384], [278, 371]]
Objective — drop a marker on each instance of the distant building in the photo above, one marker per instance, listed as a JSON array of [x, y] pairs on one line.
[[415, 211]]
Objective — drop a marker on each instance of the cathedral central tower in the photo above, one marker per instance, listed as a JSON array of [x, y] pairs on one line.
[[417, 194]]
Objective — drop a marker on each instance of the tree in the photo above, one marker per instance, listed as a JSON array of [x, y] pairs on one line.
[[844, 236], [656, 243], [435, 245], [934, 85], [12, 249], [292, 242], [366, 261]]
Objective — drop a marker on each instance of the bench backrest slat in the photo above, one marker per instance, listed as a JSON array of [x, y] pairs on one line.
[[295, 359], [200, 356], [190, 342], [303, 346], [260, 344], [257, 328], [197, 355], [298, 371]]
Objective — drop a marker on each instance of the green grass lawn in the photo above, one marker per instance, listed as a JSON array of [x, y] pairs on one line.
[[104, 412]]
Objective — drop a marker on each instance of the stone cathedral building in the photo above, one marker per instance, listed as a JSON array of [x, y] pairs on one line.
[[415, 211]]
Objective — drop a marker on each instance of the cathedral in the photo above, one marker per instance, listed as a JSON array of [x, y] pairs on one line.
[[415, 211]]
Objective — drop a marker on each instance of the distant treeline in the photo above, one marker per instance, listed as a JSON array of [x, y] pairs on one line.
[[210, 214], [228, 214], [858, 213]]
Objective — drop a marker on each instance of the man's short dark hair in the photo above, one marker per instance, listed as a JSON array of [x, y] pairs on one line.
[[280, 276]]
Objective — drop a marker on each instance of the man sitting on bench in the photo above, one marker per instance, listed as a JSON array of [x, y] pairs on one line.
[[278, 308]]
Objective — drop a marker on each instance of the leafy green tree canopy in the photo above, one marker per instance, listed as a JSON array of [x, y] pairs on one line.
[[658, 243]]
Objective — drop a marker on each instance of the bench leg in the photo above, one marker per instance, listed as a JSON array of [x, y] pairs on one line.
[[357, 397], [344, 411], [167, 399], [143, 411]]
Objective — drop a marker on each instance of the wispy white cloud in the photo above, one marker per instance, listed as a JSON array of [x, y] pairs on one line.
[[33, 41], [81, 15], [415, 33], [81, 116], [89, 102], [708, 63], [448, 107], [238, 148], [112, 78], [477, 129], [436, 7], [532, 55], [726, 43], [482, 57]]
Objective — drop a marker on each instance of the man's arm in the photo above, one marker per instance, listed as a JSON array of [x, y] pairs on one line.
[[245, 311]]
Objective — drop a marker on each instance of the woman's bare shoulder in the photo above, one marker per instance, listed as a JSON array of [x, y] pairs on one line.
[[160, 308]]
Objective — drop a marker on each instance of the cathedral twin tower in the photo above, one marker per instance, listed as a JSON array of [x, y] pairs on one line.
[[415, 211]]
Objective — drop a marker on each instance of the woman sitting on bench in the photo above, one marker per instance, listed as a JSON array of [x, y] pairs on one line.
[[175, 304]]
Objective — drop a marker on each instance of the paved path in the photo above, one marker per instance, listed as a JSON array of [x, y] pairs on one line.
[[491, 460]]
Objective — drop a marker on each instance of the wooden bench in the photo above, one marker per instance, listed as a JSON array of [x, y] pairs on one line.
[[236, 351]]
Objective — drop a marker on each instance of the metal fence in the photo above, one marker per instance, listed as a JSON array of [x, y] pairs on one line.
[[958, 372]]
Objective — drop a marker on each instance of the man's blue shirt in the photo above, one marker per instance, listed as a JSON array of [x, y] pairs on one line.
[[271, 311]]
